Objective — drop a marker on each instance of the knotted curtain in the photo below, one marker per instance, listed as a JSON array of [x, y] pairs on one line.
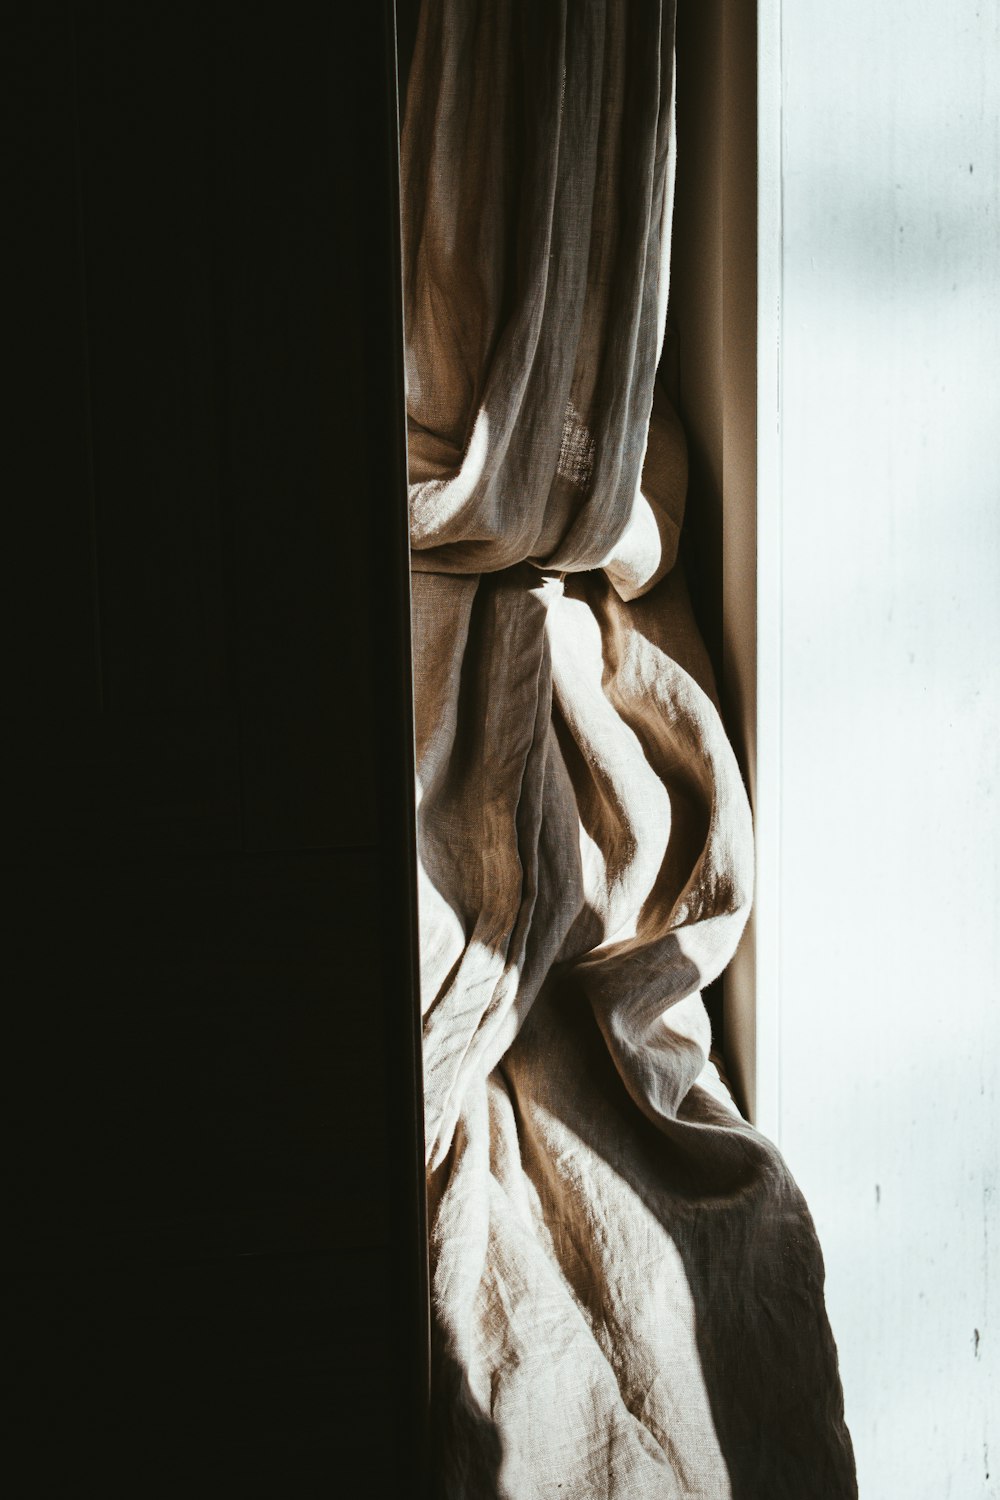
[[626, 1285]]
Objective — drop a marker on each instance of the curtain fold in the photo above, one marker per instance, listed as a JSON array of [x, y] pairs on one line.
[[626, 1285]]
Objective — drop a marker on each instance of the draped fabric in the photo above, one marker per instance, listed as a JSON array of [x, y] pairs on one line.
[[627, 1291]]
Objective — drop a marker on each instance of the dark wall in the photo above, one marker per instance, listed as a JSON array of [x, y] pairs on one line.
[[215, 1240]]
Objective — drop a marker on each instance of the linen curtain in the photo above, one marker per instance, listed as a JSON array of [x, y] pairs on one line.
[[627, 1290]]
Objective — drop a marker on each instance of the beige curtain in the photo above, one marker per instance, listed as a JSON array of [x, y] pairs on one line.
[[626, 1285]]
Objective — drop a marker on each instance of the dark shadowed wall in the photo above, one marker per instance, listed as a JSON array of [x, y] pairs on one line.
[[215, 1238]]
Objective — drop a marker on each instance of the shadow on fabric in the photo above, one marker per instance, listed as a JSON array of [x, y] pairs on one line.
[[725, 1198]]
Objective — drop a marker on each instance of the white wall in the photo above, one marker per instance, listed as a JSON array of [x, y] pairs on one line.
[[878, 713]]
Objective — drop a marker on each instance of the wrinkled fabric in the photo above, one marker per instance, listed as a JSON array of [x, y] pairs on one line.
[[627, 1292]]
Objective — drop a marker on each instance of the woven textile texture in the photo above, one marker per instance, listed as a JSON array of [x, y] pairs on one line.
[[627, 1291]]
